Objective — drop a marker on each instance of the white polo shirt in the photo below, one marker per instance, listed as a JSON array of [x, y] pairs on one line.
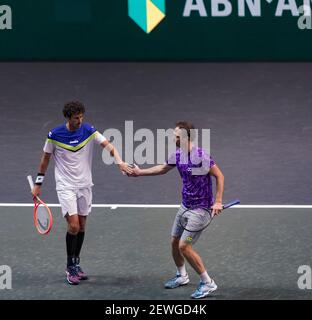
[[73, 154]]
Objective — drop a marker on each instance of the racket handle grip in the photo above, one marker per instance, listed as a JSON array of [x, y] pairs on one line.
[[30, 181], [230, 204]]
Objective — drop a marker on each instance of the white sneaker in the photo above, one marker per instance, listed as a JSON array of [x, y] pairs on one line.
[[177, 281], [204, 289]]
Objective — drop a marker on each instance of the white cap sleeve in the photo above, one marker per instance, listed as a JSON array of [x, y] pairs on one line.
[[99, 138], [48, 147]]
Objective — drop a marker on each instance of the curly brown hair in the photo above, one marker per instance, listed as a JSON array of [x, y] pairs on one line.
[[72, 108]]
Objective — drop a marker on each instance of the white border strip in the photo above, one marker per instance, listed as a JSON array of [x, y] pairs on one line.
[[115, 206]]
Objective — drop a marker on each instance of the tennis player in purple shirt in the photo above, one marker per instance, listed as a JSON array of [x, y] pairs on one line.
[[196, 169]]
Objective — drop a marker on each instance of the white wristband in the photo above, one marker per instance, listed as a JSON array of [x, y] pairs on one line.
[[39, 179]]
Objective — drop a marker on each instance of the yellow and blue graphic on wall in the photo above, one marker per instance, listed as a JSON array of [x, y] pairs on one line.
[[147, 13]]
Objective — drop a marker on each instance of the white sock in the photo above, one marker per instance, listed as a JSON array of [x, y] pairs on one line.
[[182, 270], [204, 277]]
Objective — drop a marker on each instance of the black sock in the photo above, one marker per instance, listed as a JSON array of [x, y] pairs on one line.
[[80, 238], [71, 244]]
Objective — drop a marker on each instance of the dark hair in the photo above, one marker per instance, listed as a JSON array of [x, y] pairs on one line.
[[72, 108], [189, 127]]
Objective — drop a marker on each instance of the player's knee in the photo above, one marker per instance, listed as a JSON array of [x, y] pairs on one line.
[[82, 224], [73, 227], [184, 247]]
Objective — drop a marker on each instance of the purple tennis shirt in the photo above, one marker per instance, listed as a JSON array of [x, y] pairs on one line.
[[194, 170]]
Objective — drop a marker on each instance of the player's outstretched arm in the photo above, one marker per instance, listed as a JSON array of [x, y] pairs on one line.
[[123, 166], [153, 171]]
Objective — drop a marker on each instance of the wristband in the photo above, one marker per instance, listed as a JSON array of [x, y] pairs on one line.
[[39, 179]]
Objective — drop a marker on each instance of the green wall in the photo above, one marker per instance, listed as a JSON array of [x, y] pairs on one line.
[[102, 30]]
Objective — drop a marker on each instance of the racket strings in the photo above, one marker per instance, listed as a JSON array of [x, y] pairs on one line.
[[43, 218], [193, 221]]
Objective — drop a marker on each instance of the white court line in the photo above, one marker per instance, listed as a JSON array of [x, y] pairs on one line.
[[115, 206]]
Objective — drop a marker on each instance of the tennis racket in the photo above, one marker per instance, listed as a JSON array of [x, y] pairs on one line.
[[42, 214], [195, 221]]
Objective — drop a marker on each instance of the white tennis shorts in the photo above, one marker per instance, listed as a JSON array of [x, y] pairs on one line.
[[77, 201]]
